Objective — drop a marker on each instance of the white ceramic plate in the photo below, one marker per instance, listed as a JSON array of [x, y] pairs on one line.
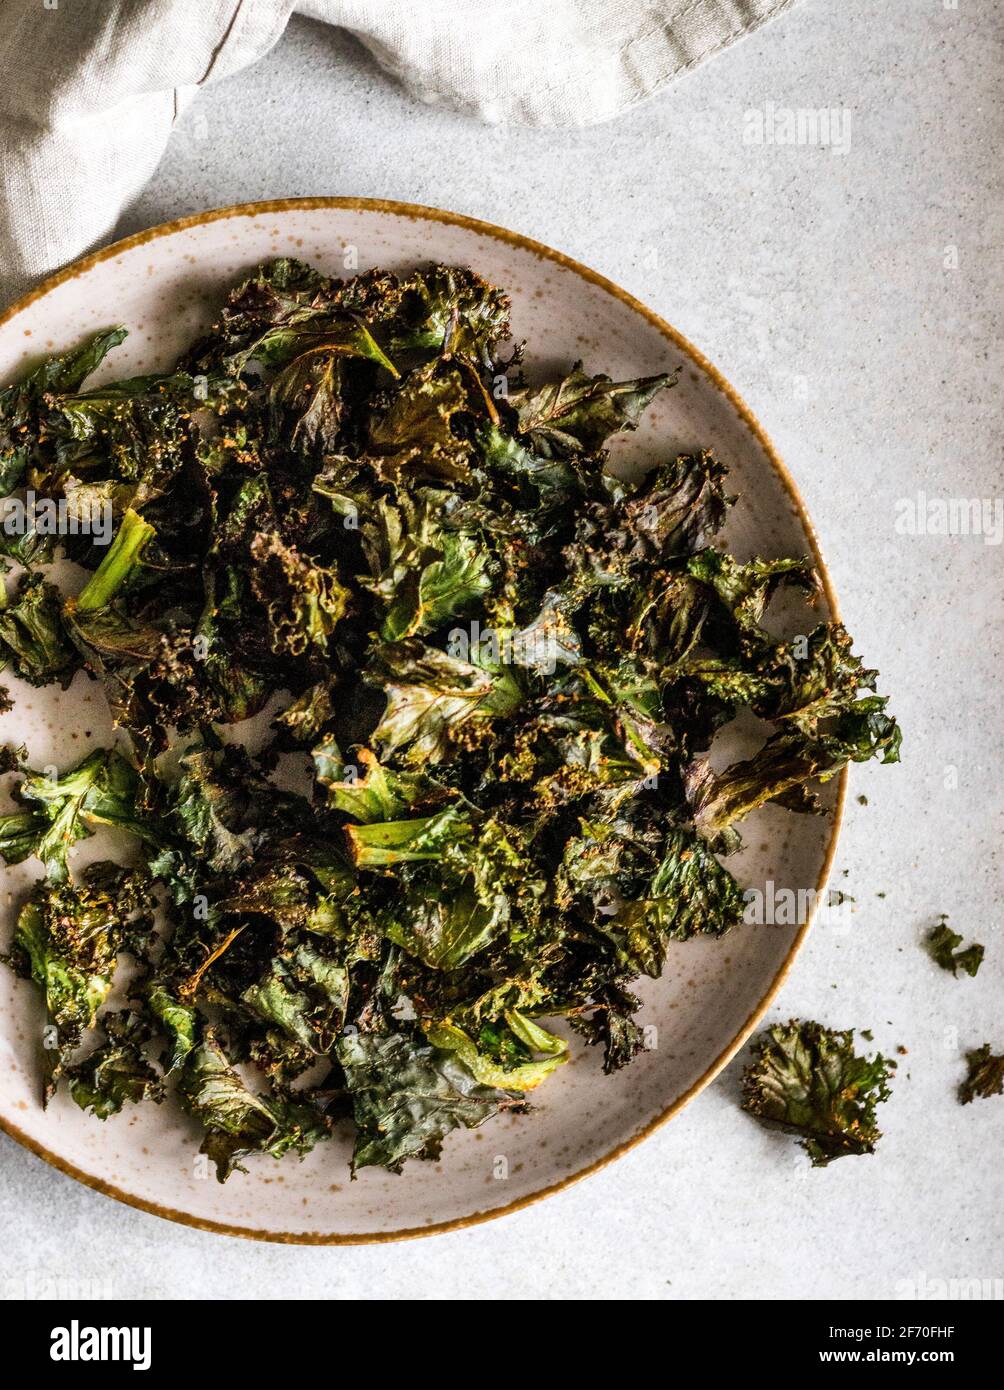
[[165, 286]]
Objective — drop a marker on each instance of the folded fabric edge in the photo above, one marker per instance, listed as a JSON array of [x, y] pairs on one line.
[[605, 85], [255, 28]]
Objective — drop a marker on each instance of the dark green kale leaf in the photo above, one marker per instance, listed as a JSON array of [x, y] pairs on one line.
[[678, 507], [306, 993], [117, 1070], [786, 766], [304, 600], [238, 1122], [223, 811], [60, 810], [807, 1080], [277, 314], [414, 436], [431, 696], [531, 479], [21, 405], [309, 388], [461, 887], [944, 944], [68, 939], [425, 569], [282, 292], [986, 1075], [690, 893], [34, 641], [579, 413], [609, 1022], [446, 307], [444, 925], [408, 1096], [745, 590]]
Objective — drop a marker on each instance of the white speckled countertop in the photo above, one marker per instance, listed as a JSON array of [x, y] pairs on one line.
[[854, 298]]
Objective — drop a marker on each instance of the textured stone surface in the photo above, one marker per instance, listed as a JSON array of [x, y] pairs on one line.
[[820, 282]]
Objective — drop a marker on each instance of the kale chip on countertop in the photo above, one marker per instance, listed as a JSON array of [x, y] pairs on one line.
[[944, 944], [986, 1075], [808, 1081]]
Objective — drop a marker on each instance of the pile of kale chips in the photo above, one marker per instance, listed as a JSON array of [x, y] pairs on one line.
[[504, 666]]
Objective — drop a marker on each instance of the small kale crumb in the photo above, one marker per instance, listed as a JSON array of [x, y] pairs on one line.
[[943, 945], [862, 800], [986, 1075], [867, 1034], [807, 1080], [6, 703], [903, 1051]]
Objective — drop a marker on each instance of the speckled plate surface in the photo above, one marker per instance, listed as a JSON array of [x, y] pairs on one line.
[[165, 285]]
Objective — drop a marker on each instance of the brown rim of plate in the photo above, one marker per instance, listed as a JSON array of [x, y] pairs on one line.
[[416, 212]]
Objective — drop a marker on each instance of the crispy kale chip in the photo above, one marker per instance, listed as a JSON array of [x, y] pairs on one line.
[[34, 641], [986, 1075], [239, 1122], [407, 1096], [25, 405], [807, 1080], [117, 1070], [943, 944], [60, 810], [483, 790], [68, 939]]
